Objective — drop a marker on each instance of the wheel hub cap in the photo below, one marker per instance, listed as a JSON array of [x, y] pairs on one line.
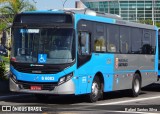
[[95, 89], [136, 86]]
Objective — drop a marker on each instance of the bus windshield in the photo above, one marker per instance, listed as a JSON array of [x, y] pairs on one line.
[[54, 45]]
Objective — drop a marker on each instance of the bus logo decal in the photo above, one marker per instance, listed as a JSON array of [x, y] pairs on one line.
[[108, 61], [42, 58], [116, 63]]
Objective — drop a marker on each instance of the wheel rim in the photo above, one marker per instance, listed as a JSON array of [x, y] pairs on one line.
[[136, 86], [95, 89]]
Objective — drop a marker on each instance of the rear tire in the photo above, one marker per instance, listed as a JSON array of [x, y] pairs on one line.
[[136, 85], [95, 90]]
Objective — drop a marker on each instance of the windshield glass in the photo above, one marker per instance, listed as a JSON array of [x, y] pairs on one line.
[[47, 45]]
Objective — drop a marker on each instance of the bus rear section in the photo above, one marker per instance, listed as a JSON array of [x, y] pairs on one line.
[[116, 55]]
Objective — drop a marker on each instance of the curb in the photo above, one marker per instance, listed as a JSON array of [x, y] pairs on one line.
[[4, 97]]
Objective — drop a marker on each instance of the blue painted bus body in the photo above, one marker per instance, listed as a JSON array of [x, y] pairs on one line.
[[158, 52], [83, 76]]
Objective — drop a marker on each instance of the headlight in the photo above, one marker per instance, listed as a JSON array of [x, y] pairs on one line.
[[65, 78], [62, 80]]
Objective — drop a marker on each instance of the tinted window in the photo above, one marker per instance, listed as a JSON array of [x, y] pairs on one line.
[[43, 18], [136, 37], [124, 39], [99, 38], [146, 42], [112, 38], [153, 42], [84, 43]]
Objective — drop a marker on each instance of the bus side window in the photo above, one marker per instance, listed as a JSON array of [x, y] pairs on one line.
[[84, 43], [112, 38], [99, 44], [125, 40]]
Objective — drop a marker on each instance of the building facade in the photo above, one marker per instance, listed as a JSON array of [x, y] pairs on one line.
[[131, 10], [79, 4]]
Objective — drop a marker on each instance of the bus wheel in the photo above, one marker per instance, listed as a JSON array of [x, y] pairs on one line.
[[95, 90], [41, 97], [136, 85]]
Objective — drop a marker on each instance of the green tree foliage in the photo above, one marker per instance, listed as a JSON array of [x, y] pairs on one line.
[[2, 25], [2, 71], [10, 8], [149, 22], [2, 1], [16, 6], [158, 24]]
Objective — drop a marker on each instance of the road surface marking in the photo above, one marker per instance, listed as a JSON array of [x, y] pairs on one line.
[[133, 100]]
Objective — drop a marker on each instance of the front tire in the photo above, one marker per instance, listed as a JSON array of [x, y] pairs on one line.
[[136, 85], [95, 90]]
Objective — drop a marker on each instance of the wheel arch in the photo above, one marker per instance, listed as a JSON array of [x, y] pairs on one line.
[[136, 84], [99, 80], [101, 77]]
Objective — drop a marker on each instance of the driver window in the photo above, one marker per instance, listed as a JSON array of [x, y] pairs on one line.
[[84, 43]]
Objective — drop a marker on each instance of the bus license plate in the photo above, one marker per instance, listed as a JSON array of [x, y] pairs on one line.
[[36, 88]]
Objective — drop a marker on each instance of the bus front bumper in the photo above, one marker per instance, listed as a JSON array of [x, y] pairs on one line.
[[63, 89]]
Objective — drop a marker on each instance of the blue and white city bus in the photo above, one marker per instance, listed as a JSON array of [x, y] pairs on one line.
[[75, 52], [159, 55]]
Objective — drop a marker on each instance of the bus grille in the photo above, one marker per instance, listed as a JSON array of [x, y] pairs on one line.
[[41, 70], [44, 86]]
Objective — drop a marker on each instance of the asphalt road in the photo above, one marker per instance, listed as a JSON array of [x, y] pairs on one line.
[[114, 102]]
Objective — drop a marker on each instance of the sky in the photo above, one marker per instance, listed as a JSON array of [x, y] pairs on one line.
[[53, 4]]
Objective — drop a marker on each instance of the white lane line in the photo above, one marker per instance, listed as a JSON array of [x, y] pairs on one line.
[[133, 100]]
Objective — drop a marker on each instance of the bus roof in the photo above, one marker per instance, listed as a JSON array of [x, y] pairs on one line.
[[117, 19]]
